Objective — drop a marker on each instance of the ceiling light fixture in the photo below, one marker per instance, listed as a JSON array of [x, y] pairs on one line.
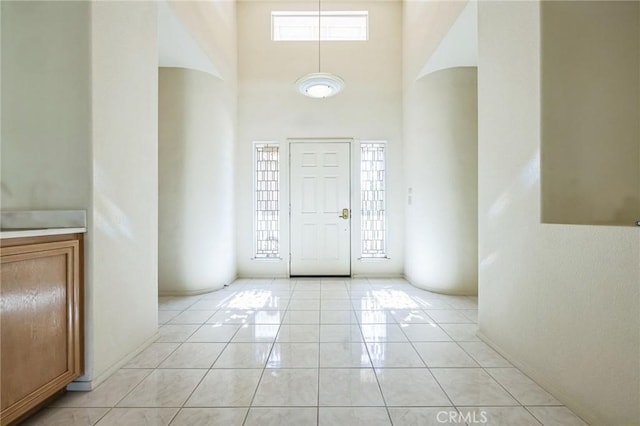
[[320, 84]]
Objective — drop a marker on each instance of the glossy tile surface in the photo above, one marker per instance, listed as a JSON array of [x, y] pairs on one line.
[[314, 351], [349, 387]]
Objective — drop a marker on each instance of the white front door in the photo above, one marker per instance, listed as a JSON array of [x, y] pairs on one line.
[[320, 208]]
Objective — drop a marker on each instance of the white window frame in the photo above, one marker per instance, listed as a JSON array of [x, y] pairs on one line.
[[325, 30], [277, 256]]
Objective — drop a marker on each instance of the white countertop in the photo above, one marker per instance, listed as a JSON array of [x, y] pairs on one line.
[[37, 223], [20, 233]]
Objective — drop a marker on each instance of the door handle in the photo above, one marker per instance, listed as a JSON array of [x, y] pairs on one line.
[[345, 214]]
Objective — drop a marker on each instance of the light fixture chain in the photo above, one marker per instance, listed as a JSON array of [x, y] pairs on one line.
[[319, 32]]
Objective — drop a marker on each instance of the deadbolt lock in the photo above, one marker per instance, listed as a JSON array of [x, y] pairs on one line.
[[345, 214]]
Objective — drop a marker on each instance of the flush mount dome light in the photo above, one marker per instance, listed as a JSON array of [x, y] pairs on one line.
[[320, 85]]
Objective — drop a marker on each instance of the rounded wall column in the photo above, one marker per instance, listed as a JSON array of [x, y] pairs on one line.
[[441, 158], [196, 213]]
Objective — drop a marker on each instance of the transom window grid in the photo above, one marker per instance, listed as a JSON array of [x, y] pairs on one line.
[[373, 200], [267, 201], [335, 26]]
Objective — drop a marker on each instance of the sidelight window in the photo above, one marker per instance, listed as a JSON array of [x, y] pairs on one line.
[[267, 200], [373, 199]]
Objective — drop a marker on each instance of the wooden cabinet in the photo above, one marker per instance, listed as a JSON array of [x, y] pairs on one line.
[[41, 345]]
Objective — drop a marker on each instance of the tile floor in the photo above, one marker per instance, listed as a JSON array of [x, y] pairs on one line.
[[314, 352]]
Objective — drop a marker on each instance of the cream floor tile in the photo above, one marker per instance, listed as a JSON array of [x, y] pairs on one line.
[[221, 294], [444, 354], [214, 333], [294, 355], [210, 417], [299, 333], [164, 388], [425, 333], [228, 316], [472, 314], [268, 317], [448, 316], [282, 417], [327, 333], [383, 333], [66, 417], [307, 284], [305, 294], [301, 317], [335, 294], [462, 302], [349, 387], [499, 416], [108, 393], [337, 317], [461, 332], [420, 416], [165, 316], [472, 386], [353, 416], [244, 355], [282, 387], [256, 333], [194, 355], [344, 354], [275, 302], [367, 303], [340, 333], [175, 303], [484, 355], [525, 390], [192, 317], [304, 304], [375, 317], [411, 316], [176, 333], [394, 354], [430, 302], [138, 417], [256, 299], [556, 416], [343, 304], [152, 356], [208, 304], [410, 387], [225, 388]]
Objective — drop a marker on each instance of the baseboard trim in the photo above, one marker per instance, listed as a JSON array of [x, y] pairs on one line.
[[585, 413], [376, 276], [86, 386], [190, 293], [438, 290]]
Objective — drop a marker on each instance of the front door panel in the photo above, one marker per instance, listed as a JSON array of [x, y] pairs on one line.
[[320, 191]]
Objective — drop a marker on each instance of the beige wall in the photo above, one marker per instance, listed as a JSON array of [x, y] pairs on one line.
[[213, 25], [590, 112], [271, 109], [441, 158], [425, 24], [560, 301], [79, 131], [122, 302], [46, 105], [196, 174]]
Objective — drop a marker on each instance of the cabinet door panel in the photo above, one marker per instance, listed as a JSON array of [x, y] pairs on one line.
[[38, 332]]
